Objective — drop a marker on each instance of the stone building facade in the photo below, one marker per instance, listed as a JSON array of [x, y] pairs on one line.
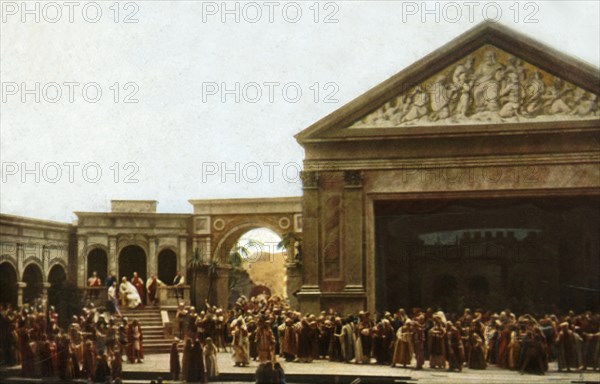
[[471, 176], [133, 237], [492, 135]]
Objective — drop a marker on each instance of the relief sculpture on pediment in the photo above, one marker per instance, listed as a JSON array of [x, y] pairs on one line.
[[489, 86]]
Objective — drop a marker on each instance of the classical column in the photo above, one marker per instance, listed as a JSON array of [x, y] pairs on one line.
[[309, 296], [45, 260], [293, 283], [20, 287], [152, 257], [45, 287], [182, 263], [353, 232], [20, 258], [81, 267], [112, 254]]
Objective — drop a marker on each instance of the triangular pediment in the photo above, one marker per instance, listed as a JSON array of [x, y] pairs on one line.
[[489, 86], [489, 76]]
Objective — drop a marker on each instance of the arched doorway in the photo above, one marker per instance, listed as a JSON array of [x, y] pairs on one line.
[[97, 261], [133, 259], [258, 259], [8, 282], [32, 276], [167, 266], [57, 278]]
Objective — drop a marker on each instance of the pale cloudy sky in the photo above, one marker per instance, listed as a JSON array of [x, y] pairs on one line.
[[175, 58]]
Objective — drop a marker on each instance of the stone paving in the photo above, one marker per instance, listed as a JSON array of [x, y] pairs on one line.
[[492, 375]]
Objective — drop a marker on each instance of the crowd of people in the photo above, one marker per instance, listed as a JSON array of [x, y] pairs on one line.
[[264, 329], [92, 347]]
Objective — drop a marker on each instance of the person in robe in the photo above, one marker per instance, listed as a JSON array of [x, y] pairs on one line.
[[437, 343], [240, 344], [138, 283], [88, 366], [307, 340], [102, 368], [113, 301], [477, 355], [94, 282], [534, 354], [152, 288], [117, 365], [455, 352], [347, 339], [364, 338], [265, 341], [210, 357], [419, 341], [335, 346], [565, 343], [220, 330], [45, 357], [181, 316], [252, 326], [383, 341], [178, 281], [129, 294], [186, 361], [174, 364], [198, 369], [288, 339], [403, 347], [135, 342]]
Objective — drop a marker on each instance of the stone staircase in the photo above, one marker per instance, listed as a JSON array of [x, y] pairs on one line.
[[152, 328]]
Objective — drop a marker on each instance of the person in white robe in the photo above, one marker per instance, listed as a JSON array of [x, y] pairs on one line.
[[129, 293]]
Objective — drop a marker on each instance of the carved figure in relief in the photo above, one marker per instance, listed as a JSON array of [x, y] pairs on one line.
[[510, 95], [486, 81], [533, 98], [584, 104], [440, 97], [487, 92], [419, 107], [553, 99]]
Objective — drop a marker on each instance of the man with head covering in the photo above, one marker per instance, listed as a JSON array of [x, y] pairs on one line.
[[265, 341]]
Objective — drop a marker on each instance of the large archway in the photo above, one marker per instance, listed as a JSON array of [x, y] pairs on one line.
[[32, 276], [258, 258], [8, 282], [57, 278], [167, 265], [97, 261]]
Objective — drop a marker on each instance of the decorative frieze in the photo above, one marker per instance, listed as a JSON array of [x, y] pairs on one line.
[[489, 86]]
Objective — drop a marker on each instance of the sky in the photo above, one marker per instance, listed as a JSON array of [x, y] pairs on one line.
[[180, 100]]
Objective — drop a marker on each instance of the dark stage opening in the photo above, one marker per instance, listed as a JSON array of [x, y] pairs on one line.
[[526, 254], [8, 282], [32, 276], [132, 259], [167, 266], [97, 261], [57, 278]]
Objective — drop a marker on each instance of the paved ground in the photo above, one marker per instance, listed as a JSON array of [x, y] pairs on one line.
[[492, 375]]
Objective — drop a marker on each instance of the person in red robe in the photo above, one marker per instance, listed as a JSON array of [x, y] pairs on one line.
[[152, 287], [138, 283], [94, 282]]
